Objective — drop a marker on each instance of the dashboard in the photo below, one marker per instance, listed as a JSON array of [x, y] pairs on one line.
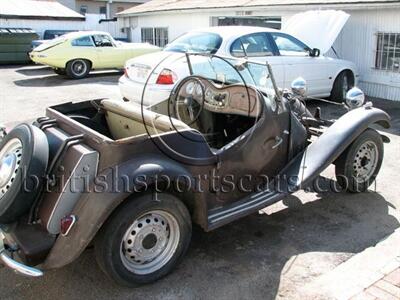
[[219, 98]]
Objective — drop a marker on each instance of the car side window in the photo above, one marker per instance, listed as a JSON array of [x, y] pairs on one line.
[[252, 45], [101, 40], [289, 46], [84, 41]]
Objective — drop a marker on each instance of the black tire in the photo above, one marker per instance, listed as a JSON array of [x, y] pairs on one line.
[[110, 240], [60, 71], [343, 83], [354, 157], [21, 189], [78, 68]]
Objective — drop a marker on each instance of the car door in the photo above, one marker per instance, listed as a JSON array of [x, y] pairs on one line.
[[257, 46], [256, 157], [297, 62], [109, 55]]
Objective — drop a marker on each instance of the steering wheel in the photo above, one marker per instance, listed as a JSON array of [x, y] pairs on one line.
[[187, 100]]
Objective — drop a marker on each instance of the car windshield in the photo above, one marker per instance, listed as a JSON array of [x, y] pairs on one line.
[[234, 71], [199, 42]]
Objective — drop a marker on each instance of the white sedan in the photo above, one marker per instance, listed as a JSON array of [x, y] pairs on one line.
[[288, 55]]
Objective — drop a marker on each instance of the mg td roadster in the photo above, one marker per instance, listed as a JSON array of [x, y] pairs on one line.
[[131, 180]]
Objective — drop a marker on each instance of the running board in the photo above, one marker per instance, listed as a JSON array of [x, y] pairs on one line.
[[249, 204]]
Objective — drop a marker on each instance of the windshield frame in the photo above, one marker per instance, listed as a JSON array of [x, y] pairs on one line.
[[243, 61]]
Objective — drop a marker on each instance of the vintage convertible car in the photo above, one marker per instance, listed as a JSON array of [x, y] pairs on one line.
[[131, 180], [75, 54]]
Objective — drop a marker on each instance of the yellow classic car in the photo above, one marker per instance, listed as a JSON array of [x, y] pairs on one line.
[[77, 53]]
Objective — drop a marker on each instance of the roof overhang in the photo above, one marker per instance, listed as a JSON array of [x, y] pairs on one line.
[[348, 5], [42, 18]]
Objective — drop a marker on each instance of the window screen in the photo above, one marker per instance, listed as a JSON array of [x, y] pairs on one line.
[[388, 52], [156, 36]]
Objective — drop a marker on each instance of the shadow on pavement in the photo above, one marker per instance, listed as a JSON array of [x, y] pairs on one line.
[[52, 79], [245, 259], [35, 71]]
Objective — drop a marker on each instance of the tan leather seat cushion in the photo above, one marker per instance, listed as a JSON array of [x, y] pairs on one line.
[[126, 120]]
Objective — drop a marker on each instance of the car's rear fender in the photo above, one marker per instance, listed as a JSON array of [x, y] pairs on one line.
[[331, 144], [95, 207]]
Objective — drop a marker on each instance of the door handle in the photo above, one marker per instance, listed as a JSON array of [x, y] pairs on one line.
[[278, 142]]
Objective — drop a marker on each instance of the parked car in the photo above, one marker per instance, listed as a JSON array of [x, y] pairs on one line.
[[76, 54], [49, 35], [289, 56], [132, 180]]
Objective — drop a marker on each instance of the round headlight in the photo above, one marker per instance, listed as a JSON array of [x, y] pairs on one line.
[[355, 98]]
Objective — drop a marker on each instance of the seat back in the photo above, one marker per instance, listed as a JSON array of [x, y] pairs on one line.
[[126, 120]]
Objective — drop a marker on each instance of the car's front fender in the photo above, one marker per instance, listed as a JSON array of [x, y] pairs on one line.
[[328, 147]]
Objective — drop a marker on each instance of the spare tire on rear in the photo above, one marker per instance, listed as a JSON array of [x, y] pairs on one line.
[[24, 154]]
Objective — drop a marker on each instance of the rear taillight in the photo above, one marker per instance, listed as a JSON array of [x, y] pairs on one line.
[[66, 224], [166, 77]]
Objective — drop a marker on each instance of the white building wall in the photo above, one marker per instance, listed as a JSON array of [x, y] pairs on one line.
[[182, 22], [356, 43], [177, 24], [41, 25], [91, 23]]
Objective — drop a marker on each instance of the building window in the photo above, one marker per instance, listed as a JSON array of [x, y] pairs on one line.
[[157, 36], [83, 10], [388, 52], [103, 10]]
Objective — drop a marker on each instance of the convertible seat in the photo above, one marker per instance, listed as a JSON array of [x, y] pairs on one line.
[[126, 120]]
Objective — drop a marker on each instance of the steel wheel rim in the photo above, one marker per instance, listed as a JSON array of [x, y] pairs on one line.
[[365, 161], [150, 242], [79, 67], [10, 160]]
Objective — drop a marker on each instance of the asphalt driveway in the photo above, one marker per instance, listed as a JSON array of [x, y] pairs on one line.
[[268, 255]]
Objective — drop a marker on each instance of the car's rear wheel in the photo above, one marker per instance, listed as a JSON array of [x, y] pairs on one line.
[[24, 156], [144, 239], [78, 68], [358, 166], [60, 71], [343, 83]]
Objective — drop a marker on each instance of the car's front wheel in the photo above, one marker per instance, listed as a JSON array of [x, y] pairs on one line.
[[358, 166], [342, 84], [78, 68], [144, 239]]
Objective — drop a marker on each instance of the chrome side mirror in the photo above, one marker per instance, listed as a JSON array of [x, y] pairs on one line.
[[355, 98], [299, 87]]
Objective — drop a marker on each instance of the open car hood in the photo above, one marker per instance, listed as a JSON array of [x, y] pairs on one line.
[[317, 28]]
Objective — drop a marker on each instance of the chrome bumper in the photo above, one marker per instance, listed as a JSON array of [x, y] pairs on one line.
[[18, 267]]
